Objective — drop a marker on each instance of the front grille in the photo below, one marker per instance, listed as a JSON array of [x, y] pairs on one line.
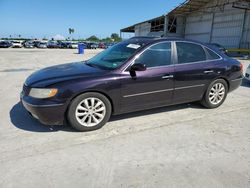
[[26, 90]]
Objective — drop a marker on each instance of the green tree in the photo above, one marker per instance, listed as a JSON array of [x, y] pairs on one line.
[[108, 39], [71, 31], [115, 37], [93, 38]]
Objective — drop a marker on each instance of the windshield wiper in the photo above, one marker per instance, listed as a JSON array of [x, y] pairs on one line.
[[96, 66], [89, 64]]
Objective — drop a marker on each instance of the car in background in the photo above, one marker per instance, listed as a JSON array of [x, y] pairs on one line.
[[218, 46], [53, 44], [63, 44], [17, 44], [247, 74], [137, 74], [93, 46], [41, 45], [108, 45], [102, 45], [36, 42], [5, 44], [28, 44], [73, 45]]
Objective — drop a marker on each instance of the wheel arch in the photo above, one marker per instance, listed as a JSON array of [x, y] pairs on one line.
[[221, 77], [95, 91], [90, 91], [226, 80]]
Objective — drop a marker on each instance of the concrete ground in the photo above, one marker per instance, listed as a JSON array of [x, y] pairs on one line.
[[179, 146]]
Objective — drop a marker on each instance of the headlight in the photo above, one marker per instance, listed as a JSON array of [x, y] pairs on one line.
[[42, 93]]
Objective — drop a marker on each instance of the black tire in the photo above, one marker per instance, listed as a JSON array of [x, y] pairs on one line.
[[206, 102], [71, 117]]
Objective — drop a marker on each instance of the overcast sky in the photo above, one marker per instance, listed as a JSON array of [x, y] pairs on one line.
[[46, 18]]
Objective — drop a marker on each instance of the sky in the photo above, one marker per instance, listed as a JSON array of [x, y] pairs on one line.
[[47, 18]]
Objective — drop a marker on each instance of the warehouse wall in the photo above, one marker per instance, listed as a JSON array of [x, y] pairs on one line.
[[198, 26], [227, 27], [213, 23], [245, 41], [223, 25], [142, 29]]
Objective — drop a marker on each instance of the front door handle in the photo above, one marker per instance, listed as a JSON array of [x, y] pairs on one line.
[[208, 71], [167, 76]]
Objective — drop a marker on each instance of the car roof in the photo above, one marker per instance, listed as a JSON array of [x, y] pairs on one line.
[[151, 40]]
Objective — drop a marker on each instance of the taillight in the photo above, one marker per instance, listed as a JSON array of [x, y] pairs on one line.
[[241, 68]]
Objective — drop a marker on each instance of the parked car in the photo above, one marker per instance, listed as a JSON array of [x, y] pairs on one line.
[[36, 42], [17, 44], [41, 45], [92, 45], [102, 45], [136, 74], [64, 44], [73, 45], [108, 45], [28, 44], [247, 75], [53, 44], [220, 47], [5, 44]]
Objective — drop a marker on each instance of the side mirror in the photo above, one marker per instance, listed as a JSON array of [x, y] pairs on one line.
[[138, 67]]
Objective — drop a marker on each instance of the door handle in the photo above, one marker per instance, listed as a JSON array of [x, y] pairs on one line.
[[167, 76], [208, 71]]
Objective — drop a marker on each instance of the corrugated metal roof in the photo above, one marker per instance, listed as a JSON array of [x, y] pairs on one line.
[[131, 29], [188, 6]]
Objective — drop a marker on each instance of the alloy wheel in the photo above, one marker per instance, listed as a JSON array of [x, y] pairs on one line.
[[90, 112], [217, 93]]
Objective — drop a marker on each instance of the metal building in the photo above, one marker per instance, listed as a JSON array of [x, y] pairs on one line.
[[226, 22]]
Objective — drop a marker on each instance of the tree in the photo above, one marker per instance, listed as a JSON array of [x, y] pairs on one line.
[[115, 37], [71, 31], [93, 38], [108, 39]]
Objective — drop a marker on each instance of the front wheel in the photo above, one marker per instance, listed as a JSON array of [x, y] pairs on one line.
[[215, 94], [89, 111]]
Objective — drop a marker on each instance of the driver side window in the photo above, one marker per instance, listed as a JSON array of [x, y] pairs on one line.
[[156, 56]]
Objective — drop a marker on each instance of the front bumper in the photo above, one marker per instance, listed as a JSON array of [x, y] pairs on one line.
[[49, 114]]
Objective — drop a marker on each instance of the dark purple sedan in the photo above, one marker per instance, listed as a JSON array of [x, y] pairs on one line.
[[136, 74]]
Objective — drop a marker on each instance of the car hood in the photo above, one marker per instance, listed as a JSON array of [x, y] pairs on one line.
[[59, 73]]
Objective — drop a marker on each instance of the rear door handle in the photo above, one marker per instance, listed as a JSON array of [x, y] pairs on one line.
[[167, 76], [208, 71]]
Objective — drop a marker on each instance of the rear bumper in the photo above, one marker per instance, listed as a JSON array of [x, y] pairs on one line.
[[49, 114], [234, 84]]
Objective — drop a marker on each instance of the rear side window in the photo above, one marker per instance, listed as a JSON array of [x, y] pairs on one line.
[[156, 56], [212, 55], [190, 52]]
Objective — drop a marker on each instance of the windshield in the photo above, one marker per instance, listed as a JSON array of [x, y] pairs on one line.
[[114, 56]]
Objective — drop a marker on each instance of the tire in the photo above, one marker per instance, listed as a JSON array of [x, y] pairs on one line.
[[220, 88], [89, 111]]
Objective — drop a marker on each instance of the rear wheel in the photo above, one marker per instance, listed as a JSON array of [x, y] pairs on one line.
[[215, 94], [89, 111]]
